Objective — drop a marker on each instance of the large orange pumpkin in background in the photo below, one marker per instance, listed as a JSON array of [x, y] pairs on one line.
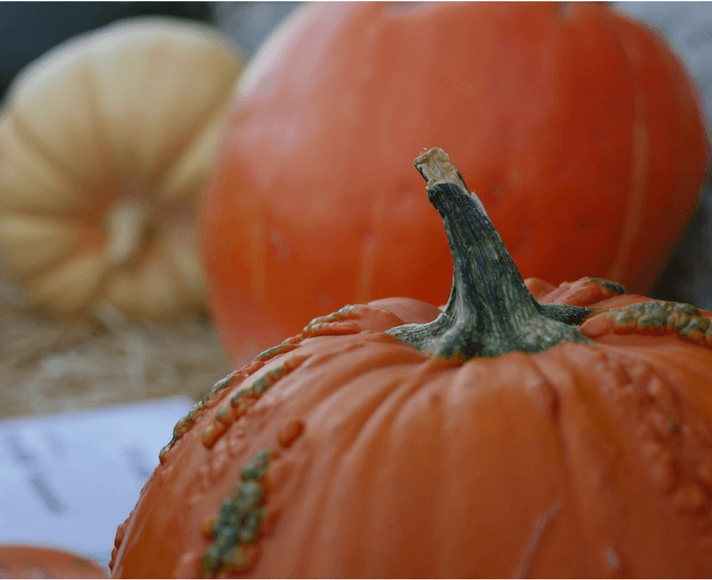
[[567, 436], [579, 128]]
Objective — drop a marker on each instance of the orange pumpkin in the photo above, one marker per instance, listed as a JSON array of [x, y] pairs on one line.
[[579, 128], [497, 437]]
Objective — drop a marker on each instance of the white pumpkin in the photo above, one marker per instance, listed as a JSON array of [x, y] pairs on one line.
[[105, 142]]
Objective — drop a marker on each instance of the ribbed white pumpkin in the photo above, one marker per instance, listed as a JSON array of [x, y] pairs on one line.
[[105, 142]]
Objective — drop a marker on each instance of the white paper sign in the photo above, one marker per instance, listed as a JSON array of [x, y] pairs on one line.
[[69, 480]]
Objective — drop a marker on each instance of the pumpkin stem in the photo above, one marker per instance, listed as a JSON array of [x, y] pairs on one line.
[[490, 311], [126, 226]]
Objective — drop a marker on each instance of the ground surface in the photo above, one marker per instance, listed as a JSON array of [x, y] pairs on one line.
[[49, 365]]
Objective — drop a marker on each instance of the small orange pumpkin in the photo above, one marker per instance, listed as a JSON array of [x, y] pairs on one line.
[[579, 128], [564, 436]]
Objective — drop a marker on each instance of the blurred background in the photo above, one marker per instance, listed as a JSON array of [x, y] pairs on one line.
[[687, 26], [48, 365]]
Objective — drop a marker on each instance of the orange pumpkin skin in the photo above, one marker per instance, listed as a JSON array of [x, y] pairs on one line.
[[579, 129], [583, 460]]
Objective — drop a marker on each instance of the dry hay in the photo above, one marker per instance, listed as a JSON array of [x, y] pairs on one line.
[[48, 365]]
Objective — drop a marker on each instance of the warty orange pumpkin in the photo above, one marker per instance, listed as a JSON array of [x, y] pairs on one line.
[[579, 128], [524, 429]]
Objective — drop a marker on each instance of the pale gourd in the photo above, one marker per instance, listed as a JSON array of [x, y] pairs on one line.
[[105, 143]]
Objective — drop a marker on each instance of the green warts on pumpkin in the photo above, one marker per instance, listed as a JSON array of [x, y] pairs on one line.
[[239, 522], [655, 317], [239, 402], [186, 422], [490, 311], [612, 287], [243, 398]]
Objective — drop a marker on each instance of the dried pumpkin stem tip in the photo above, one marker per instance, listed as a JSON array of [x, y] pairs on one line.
[[490, 311]]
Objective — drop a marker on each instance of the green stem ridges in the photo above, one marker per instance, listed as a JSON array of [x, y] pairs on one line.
[[490, 311]]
